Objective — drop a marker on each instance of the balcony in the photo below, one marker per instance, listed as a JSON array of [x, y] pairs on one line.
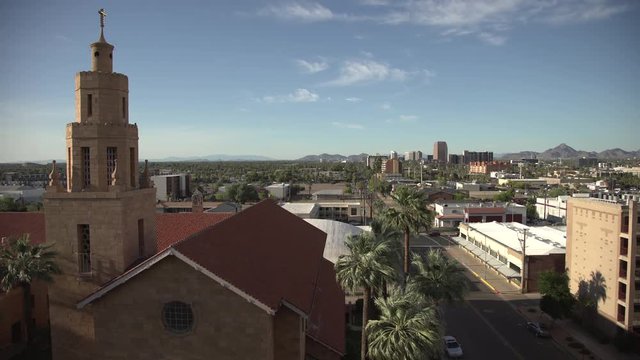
[[624, 247], [622, 292]]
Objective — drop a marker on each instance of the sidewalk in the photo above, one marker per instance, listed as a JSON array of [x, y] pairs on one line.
[[567, 335]]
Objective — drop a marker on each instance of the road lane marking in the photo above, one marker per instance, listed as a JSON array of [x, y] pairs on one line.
[[505, 342]]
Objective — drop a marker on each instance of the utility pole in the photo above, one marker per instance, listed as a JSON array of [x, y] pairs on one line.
[[524, 261]]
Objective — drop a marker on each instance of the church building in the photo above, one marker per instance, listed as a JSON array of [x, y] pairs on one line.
[[141, 285]]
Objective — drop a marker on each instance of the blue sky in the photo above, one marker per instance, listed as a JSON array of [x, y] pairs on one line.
[[289, 78]]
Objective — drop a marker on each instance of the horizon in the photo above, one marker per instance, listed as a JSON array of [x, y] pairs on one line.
[[286, 80]]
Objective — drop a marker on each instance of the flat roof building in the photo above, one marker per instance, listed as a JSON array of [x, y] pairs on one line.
[[500, 246]]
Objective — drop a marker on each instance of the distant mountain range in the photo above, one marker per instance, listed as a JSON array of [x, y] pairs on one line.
[[564, 151], [334, 158], [216, 157]]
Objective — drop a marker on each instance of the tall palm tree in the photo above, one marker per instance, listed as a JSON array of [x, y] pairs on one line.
[[437, 277], [366, 267], [410, 214], [22, 262], [409, 328]]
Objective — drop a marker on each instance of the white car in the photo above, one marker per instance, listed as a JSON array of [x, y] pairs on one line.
[[452, 348]]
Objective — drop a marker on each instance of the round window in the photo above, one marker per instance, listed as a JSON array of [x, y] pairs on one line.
[[177, 317]]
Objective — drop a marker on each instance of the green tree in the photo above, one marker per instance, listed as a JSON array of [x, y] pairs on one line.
[[22, 262], [9, 204], [557, 191], [437, 277], [368, 264], [505, 196], [242, 193], [409, 214], [409, 328], [556, 300]]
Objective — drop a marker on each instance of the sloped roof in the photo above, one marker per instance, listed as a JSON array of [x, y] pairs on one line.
[[171, 228], [337, 233], [18, 223], [326, 324], [265, 251]]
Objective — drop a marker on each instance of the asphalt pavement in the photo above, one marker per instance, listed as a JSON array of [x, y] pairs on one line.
[[487, 323]]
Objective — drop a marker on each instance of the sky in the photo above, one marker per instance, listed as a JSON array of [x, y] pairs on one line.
[[285, 79]]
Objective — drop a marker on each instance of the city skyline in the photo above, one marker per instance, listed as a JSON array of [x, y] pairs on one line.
[[289, 79]]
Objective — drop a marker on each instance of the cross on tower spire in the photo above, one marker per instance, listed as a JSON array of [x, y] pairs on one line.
[[102, 14]]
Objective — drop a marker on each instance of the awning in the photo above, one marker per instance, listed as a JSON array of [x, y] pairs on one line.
[[508, 272]]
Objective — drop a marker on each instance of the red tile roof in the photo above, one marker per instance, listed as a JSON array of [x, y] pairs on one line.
[[265, 251], [18, 223], [485, 210], [327, 321], [172, 228]]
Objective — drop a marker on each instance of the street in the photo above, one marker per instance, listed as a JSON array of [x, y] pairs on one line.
[[487, 324]]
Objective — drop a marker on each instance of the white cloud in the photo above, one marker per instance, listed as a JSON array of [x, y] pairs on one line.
[[310, 12], [403, 119], [366, 71], [487, 20], [298, 96], [346, 125], [492, 39], [312, 67], [385, 106], [353, 99]]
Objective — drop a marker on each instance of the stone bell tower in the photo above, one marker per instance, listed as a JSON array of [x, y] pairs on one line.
[[103, 222]]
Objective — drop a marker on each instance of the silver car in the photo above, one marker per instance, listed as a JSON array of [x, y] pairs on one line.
[[452, 348]]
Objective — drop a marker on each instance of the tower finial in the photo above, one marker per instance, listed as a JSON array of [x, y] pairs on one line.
[[102, 14]]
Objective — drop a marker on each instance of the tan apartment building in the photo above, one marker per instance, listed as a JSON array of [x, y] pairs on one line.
[[602, 242]]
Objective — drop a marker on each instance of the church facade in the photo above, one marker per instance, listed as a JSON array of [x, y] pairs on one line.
[[249, 286]]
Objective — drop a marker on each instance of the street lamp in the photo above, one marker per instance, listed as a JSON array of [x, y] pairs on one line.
[[523, 244]]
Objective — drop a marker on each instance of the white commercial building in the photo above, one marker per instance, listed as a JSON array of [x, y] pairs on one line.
[[499, 245], [450, 213]]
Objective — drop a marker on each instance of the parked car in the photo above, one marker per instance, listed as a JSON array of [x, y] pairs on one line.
[[434, 233], [538, 329], [452, 348]]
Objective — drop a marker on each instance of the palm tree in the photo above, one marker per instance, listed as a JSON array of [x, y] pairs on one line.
[[368, 265], [410, 214], [22, 262], [437, 277], [409, 328]]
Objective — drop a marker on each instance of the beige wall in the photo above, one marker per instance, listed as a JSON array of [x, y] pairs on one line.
[[593, 244], [128, 320], [113, 220]]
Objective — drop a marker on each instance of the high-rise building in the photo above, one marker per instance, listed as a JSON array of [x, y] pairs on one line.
[[440, 151], [393, 155], [413, 155], [603, 254], [456, 159], [474, 156]]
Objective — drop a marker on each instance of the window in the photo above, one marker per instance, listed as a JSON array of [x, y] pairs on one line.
[[124, 107], [177, 317], [84, 249], [112, 156], [86, 167], [141, 237], [354, 211], [96, 54], [132, 167], [89, 105]]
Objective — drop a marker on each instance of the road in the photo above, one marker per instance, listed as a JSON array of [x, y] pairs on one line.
[[487, 324]]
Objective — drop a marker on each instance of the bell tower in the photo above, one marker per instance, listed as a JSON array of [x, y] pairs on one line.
[[103, 221]]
